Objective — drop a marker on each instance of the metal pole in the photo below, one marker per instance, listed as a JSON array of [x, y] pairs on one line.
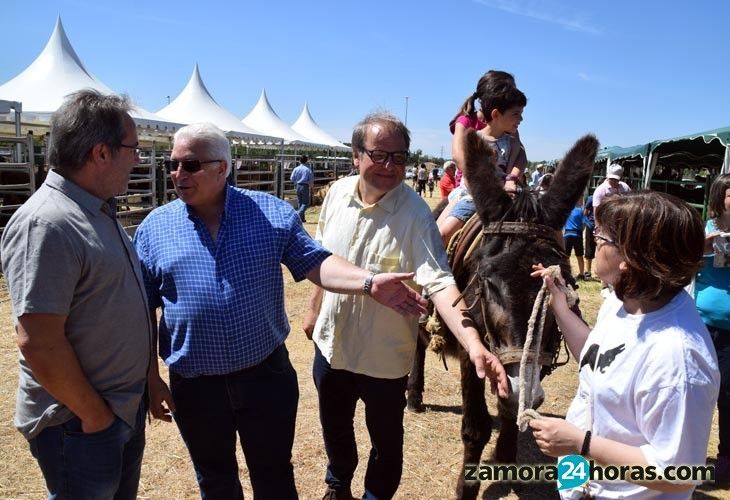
[[406, 120], [17, 110]]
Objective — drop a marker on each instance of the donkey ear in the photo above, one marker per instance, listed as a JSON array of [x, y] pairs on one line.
[[569, 182], [480, 170]]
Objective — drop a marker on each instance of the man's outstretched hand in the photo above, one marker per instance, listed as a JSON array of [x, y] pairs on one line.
[[388, 289], [487, 365]]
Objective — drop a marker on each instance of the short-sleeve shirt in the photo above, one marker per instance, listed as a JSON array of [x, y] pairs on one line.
[[574, 224], [223, 301], [396, 234], [302, 175], [447, 183], [469, 121], [64, 253], [605, 190], [650, 381], [712, 289], [589, 218]]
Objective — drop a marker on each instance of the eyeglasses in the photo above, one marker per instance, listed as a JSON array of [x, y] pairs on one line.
[[378, 156], [136, 149], [190, 166], [602, 239]]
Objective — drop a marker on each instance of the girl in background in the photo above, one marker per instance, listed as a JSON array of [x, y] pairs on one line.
[[712, 296]]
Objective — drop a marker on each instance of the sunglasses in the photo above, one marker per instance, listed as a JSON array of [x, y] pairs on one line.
[[378, 156], [190, 166]]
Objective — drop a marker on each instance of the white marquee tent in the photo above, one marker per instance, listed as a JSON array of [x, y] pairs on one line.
[[55, 73], [306, 126], [195, 104], [58, 71], [263, 118]]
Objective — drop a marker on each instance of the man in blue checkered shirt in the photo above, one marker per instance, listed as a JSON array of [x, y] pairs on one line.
[[212, 261], [303, 179]]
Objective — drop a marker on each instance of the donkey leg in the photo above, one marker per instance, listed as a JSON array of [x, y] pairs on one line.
[[506, 449], [415, 378], [476, 425]]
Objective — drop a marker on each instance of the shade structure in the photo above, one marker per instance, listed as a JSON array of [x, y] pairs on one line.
[[196, 104], [264, 119], [10, 106], [306, 126], [55, 73]]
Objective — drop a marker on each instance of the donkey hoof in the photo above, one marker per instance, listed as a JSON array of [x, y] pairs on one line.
[[415, 405]]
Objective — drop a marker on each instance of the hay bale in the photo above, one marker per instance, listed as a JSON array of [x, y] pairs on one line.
[[320, 193]]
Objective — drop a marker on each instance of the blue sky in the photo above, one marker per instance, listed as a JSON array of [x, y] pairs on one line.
[[628, 71]]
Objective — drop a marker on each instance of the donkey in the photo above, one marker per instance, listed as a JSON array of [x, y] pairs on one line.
[[518, 231]]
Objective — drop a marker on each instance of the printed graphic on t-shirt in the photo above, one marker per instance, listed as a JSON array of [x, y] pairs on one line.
[[721, 246], [604, 360]]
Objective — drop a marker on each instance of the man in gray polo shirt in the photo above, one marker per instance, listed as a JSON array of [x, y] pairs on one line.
[[80, 309]]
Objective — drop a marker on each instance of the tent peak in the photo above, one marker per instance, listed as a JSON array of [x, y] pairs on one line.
[[264, 106], [264, 100], [196, 85], [263, 117], [306, 126], [59, 46]]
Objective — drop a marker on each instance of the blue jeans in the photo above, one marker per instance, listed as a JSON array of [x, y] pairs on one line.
[[385, 401], [260, 405], [97, 466], [464, 209], [304, 199]]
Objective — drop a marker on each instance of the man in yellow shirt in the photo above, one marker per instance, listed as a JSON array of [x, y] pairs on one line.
[[362, 350]]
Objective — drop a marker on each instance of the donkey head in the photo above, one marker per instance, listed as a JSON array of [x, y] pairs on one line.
[[505, 259]]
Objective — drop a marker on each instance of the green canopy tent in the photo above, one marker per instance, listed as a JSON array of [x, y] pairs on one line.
[[710, 149], [704, 154], [632, 159]]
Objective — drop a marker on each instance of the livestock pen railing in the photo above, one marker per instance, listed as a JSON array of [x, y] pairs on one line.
[[695, 193], [149, 184], [18, 174], [325, 171]]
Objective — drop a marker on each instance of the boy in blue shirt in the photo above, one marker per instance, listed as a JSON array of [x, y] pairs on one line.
[[573, 236], [590, 242]]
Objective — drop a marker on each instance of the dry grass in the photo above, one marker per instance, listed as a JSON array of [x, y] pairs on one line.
[[432, 448]]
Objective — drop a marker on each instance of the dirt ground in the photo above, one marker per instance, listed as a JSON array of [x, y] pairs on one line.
[[432, 447]]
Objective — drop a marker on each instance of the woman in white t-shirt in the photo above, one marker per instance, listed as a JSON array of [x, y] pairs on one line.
[[648, 372]]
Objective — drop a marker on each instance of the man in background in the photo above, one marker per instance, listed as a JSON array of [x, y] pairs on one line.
[[447, 183], [303, 178], [611, 186], [537, 175]]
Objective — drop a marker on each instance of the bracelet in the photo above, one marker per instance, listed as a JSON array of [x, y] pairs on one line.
[[367, 286], [586, 444], [510, 177]]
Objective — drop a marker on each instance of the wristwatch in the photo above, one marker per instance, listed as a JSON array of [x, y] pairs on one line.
[[367, 285]]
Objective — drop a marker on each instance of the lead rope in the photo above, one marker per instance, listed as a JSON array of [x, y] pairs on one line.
[[525, 413]]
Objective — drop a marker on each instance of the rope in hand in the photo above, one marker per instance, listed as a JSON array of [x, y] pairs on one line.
[[525, 413]]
